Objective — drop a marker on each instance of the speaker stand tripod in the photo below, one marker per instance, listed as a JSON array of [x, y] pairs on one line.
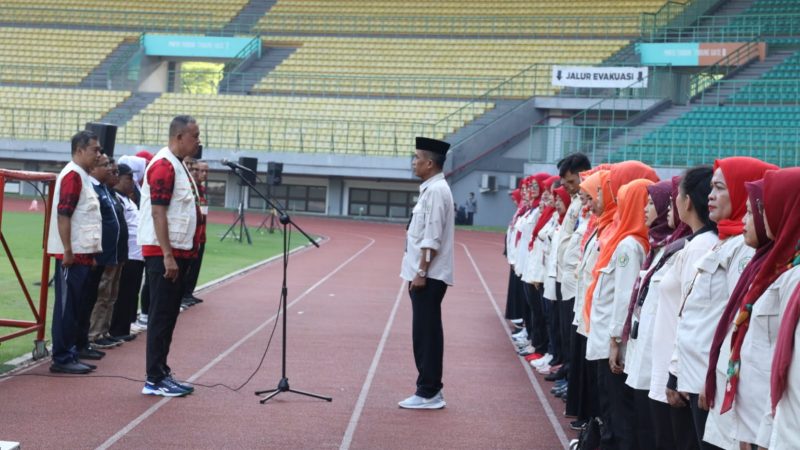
[[240, 220]]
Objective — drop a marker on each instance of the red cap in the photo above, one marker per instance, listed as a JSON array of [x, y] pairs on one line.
[[146, 155]]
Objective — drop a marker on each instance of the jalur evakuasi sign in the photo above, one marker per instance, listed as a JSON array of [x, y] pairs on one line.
[[600, 77]]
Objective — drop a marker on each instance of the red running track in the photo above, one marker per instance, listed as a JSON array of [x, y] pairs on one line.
[[349, 338]]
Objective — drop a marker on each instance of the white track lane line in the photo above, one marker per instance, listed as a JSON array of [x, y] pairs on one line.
[[362, 397], [551, 415], [150, 411]]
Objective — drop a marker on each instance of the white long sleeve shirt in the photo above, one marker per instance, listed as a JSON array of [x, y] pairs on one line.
[[591, 252], [570, 249], [611, 297]]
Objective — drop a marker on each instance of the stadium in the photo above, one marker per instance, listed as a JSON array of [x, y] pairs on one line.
[[327, 97]]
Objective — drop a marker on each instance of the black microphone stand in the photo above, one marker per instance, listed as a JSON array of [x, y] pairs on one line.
[[285, 220]]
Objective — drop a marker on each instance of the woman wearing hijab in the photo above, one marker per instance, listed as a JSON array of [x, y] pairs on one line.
[[514, 295], [637, 332], [582, 380], [621, 257], [552, 288], [535, 275], [750, 321], [717, 273]]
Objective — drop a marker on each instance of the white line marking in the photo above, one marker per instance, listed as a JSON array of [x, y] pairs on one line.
[[150, 411], [362, 397], [551, 415]]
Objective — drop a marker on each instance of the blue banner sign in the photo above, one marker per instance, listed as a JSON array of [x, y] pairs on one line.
[[194, 46]]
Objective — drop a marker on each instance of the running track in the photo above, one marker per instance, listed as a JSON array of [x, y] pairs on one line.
[[349, 338]]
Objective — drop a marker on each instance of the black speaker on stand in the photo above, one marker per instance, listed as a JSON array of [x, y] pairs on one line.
[[274, 178], [248, 178], [106, 136]]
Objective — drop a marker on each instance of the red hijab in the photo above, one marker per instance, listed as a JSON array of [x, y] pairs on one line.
[[547, 212], [561, 192], [737, 171], [782, 216]]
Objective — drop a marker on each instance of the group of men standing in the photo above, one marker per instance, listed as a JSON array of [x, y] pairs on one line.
[[114, 225]]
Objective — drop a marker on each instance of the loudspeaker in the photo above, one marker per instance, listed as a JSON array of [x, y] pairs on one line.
[[274, 173], [106, 136], [252, 164], [199, 155]]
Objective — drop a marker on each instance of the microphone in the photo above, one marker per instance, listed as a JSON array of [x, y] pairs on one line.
[[235, 166]]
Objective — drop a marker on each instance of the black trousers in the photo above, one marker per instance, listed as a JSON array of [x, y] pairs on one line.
[[70, 286], [565, 317], [582, 380], [643, 423], [144, 298], [130, 281], [515, 297], [699, 416], [194, 272], [538, 330], [165, 304], [86, 305], [621, 418], [551, 311], [683, 428], [428, 336]]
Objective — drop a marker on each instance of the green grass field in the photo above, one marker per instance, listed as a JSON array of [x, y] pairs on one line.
[[23, 232]]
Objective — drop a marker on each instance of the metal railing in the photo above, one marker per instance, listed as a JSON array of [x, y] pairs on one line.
[[670, 146], [730, 64], [43, 124], [737, 28], [764, 91]]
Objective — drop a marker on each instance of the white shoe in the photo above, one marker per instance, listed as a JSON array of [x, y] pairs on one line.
[[136, 328], [521, 335], [543, 361], [544, 370], [417, 402]]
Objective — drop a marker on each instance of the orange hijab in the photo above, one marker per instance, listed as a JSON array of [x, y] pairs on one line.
[[629, 221]]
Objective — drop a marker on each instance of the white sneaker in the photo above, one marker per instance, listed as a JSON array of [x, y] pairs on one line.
[[544, 370], [521, 335], [543, 361], [136, 328], [417, 402]]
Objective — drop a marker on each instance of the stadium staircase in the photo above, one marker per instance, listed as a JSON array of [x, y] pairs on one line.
[[130, 107], [99, 77], [248, 17], [254, 70]]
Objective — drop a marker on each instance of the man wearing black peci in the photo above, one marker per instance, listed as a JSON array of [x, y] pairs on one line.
[[428, 267]]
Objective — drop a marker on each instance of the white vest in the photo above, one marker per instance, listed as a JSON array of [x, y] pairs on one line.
[[86, 223], [182, 210]]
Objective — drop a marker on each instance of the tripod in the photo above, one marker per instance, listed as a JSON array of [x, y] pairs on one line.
[[240, 218], [270, 217], [285, 220]]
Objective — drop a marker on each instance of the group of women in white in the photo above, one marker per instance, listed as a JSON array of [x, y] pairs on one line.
[[666, 311]]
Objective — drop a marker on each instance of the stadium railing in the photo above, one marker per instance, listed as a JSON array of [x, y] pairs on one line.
[[770, 27]]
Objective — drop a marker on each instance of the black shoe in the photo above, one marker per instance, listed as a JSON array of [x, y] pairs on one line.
[[90, 366], [126, 338], [578, 425], [74, 368], [90, 353], [187, 302], [197, 300], [105, 343]]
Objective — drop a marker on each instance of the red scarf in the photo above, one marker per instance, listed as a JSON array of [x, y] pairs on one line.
[[738, 170]]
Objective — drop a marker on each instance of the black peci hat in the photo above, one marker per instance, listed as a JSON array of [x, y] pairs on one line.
[[124, 169], [432, 145]]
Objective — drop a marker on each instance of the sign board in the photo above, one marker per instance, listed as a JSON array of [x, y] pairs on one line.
[[193, 46], [600, 77], [695, 54]]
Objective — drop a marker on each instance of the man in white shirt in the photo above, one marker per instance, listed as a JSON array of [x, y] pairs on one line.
[[428, 267]]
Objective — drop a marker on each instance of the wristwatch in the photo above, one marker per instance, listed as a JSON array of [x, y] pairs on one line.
[[422, 273]]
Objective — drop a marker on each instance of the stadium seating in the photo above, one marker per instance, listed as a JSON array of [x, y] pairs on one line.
[[53, 56], [706, 133], [772, 19], [146, 14], [780, 85], [52, 114], [459, 17], [307, 124], [427, 67]]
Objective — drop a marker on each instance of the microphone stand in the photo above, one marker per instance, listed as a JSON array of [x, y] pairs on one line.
[[286, 221]]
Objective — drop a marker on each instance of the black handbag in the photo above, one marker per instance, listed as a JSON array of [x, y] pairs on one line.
[[589, 437]]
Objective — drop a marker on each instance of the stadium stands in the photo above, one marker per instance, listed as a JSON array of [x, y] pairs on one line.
[[458, 17], [780, 85], [427, 67], [52, 114], [54, 56], [705, 133], [772, 19], [307, 124], [133, 14]]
